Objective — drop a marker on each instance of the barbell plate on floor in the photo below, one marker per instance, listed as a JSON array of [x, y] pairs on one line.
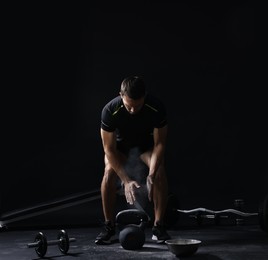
[[41, 248], [63, 241]]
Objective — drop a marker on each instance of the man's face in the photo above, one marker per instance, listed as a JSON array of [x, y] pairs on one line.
[[133, 106]]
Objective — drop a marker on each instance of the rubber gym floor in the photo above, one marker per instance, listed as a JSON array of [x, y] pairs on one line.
[[221, 242]]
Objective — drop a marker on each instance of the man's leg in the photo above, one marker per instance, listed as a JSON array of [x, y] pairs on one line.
[[160, 196], [160, 189], [108, 193]]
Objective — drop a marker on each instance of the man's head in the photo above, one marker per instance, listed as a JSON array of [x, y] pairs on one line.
[[132, 93]]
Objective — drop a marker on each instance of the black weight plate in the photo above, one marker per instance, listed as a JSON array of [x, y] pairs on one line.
[[42, 244], [63, 241]]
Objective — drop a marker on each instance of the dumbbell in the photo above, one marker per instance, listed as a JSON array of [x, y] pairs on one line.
[[131, 223], [41, 243]]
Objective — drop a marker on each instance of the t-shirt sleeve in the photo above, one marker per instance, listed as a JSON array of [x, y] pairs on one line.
[[161, 119], [107, 120]]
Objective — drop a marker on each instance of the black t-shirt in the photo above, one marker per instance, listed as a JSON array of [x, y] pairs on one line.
[[134, 130]]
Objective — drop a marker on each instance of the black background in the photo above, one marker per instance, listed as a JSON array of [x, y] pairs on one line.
[[63, 62]]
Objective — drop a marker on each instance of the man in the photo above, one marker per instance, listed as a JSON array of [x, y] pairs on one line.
[[134, 119]]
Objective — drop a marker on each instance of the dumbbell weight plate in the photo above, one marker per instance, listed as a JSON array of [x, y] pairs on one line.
[[63, 241], [41, 249]]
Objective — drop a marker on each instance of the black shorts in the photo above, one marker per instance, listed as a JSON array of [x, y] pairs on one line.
[[139, 149]]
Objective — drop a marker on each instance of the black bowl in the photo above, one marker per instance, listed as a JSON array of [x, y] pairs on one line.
[[182, 246]]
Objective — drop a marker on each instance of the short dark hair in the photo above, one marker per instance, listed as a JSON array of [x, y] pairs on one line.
[[133, 87]]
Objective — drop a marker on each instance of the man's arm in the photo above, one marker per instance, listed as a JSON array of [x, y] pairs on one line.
[[116, 161], [112, 154]]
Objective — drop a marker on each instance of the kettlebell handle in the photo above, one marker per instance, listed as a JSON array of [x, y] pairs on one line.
[[142, 225]]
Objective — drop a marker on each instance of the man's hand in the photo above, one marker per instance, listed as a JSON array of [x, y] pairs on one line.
[[130, 191], [149, 184]]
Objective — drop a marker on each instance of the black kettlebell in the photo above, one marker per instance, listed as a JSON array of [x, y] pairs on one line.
[[132, 237], [131, 223]]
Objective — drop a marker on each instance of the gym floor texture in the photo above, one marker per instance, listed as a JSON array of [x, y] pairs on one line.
[[222, 242]]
